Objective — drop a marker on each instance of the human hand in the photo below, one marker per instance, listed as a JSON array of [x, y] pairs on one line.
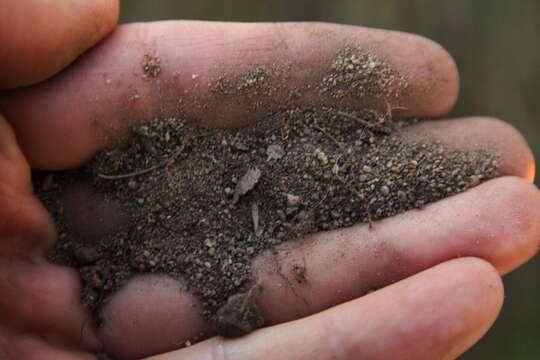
[[435, 314]]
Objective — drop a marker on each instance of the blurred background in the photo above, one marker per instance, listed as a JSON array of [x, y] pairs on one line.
[[495, 44]]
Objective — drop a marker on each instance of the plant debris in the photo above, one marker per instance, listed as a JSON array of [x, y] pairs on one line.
[[246, 183]]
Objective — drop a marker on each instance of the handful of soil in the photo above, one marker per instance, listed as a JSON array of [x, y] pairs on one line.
[[199, 204]]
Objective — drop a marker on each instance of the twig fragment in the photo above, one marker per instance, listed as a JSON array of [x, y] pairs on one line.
[[372, 126], [166, 163]]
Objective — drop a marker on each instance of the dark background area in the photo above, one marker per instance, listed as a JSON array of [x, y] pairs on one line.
[[495, 44]]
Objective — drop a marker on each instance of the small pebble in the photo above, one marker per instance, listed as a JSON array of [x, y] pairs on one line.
[[293, 200], [86, 255]]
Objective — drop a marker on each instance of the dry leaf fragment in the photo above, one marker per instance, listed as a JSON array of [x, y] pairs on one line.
[[275, 152], [246, 183], [256, 219]]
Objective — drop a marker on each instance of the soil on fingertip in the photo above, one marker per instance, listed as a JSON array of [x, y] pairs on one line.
[[198, 204]]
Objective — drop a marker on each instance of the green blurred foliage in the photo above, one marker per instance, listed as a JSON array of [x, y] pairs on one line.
[[495, 44]]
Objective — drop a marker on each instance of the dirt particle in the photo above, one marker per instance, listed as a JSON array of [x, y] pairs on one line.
[[239, 316], [150, 66], [402, 196], [299, 273], [85, 255], [356, 73], [321, 156], [293, 200], [474, 180], [275, 152]]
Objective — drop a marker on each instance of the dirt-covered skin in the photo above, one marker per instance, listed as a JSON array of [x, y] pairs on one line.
[[234, 75]]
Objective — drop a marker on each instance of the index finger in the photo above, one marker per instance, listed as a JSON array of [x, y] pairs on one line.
[[224, 74]]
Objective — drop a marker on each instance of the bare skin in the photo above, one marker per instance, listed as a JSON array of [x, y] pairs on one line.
[[429, 305]]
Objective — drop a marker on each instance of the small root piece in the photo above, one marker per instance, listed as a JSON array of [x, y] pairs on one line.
[[334, 140], [165, 163], [375, 127]]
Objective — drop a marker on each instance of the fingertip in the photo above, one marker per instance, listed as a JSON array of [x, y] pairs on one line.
[[436, 314], [149, 315], [432, 72], [516, 234], [478, 293], [480, 133]]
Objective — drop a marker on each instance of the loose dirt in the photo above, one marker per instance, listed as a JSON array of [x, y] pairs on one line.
[[199, 204]]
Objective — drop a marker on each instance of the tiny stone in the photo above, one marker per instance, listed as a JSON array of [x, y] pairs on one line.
[[402, 196], [292, 200], [474, 180], [321, 156], [385, 190], [132, 184], [240, 146], [274, 152], [239, 316], [367, 169], [86, 255]]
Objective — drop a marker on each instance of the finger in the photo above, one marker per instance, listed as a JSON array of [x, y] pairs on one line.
[[26, 229], [39, 38], [480, 133], [133, 327], [496, 221], [43, 300], [225, 74], [24, 346], [40, 303], [436, 314]]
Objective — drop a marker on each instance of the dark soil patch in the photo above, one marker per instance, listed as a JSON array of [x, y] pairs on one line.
[[199, 204]]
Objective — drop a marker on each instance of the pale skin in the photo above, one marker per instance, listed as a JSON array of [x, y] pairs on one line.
[[436, 272]]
